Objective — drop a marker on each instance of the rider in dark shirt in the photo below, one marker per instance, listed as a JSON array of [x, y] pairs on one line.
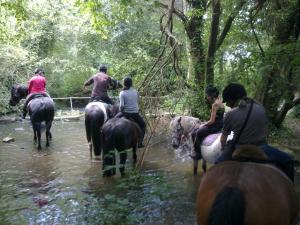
[[213, 125], [255, 130]]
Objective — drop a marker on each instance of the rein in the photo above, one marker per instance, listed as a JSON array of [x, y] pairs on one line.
[[188, 133]]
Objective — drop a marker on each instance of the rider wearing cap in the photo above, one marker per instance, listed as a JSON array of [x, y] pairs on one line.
[[255, 129], [101, 82], [36, 87]]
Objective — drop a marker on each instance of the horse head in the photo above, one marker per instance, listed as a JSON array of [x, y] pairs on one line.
[[17, 93], [115, 84], [177, 133]]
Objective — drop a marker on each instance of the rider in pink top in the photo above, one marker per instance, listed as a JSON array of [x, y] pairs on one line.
[[37, 84], [36, 87]]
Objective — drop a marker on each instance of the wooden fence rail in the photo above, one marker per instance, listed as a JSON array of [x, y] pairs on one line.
[[113, 97]]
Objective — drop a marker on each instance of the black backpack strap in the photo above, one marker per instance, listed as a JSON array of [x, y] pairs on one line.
[[244, 125]]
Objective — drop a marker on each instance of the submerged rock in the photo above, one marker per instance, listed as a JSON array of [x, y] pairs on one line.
[[8, 139]]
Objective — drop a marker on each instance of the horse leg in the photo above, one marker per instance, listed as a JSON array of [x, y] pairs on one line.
[[195, 166], [123, 157], [48, 133], [37, 133], [203, 165], [134, 157], [34, 133], [109, 161]]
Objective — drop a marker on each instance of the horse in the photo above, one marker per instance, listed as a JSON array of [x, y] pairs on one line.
[[96, 114], [181, 128], [40, 108], [242, 192], [119, 134]]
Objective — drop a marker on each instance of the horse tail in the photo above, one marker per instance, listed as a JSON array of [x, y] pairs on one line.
[[93, 131], [95, 135], [228, 208]]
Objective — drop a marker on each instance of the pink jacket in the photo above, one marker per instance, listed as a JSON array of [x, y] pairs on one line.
[[37, 84]]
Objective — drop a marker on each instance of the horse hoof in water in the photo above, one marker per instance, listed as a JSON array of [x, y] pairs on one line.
[[109, 172]]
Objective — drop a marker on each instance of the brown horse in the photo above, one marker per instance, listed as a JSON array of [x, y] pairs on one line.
[[246, 193]]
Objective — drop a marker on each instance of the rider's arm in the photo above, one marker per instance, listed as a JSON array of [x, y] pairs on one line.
[[45, 82], [223, 140], [227, 128], [89, 81], [213, 114], [121, 97], [29, 86], [110, 83]]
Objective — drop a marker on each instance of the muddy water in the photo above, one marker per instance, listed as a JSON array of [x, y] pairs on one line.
[[61, 185]]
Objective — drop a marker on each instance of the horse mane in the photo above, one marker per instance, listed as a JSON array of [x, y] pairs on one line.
[[228, 208]]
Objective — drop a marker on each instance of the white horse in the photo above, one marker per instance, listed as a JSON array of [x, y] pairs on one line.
[[181, 128]]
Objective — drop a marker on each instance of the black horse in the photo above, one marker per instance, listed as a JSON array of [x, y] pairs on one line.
[[96, 114], [40, 108], [119, 134]]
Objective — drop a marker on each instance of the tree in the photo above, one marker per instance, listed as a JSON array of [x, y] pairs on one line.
[[281, 60]]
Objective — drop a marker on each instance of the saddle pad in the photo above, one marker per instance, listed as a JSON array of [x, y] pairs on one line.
[[210, 139]]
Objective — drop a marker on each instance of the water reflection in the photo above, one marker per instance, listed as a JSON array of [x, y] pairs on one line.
[[61, 185]]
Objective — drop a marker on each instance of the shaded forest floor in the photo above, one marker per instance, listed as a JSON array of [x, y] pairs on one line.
[[288, 137]]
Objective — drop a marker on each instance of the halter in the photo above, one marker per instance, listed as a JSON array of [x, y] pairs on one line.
[[188, 133]]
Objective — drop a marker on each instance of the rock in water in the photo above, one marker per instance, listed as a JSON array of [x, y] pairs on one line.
[[8, 139]]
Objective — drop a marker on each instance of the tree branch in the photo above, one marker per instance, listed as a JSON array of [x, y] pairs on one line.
[[255, 36], [175, 11], [296, 101], [211, 50], [228, 23]]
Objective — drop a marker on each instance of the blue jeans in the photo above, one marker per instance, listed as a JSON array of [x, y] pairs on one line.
[[279, 158]]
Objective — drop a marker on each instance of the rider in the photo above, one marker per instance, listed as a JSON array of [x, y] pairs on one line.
[[36, 87], [101, 82], [213, 125], [255, 129], [129, 107]]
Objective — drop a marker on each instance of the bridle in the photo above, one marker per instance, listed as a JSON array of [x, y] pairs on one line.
[[184, 136]]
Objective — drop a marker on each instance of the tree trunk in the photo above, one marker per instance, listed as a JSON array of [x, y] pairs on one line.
[[212, 44], [194, 29], [279, 84]]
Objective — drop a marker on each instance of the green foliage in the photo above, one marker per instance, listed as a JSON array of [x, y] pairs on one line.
[[296, 111], [278, 136]]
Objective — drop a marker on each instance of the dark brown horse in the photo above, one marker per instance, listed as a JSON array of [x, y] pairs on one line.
[[119, 134], [40, 108], [246, 193], [96, 114]]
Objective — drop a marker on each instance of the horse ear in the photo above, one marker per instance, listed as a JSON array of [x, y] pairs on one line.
[[179, 119]]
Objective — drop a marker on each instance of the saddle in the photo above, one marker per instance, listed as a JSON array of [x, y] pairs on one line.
[[249, 153], [38, 95]]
